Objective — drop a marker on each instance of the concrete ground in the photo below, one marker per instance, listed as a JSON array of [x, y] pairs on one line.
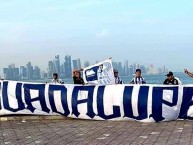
[[80, 132]]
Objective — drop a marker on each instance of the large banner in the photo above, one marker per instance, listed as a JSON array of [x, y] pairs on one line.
[[147, 103], [100, 73]]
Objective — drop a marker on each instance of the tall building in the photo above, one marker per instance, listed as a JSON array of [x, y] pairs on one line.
[[76, 64], [118, 66], [79, 63], [86, 64], [115, 65], [36, 73], [126, 68], [29, 70], [11, 73], [56, 63], [131, 70], [152, 70], [23, 73], [44, 75], [50, 69], [120, 69], [67, 66], [143, 69]]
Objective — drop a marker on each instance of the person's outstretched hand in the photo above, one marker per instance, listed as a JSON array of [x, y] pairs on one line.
[[186, 71]]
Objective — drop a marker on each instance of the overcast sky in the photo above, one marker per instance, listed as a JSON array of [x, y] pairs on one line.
[[143, 31]]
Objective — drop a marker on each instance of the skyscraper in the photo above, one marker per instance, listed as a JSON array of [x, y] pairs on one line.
[[126, 68], [118, 66], [29, 69], [50, 69], [56, 63], [79, 63], [11, 73], [67, 66], [86, 63], [75, 64], [23, 73], [36, 73]]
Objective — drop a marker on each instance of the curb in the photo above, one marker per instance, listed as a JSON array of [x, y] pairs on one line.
[[21, 118]]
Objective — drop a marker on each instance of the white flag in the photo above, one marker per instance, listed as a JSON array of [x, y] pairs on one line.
[[100, 73]]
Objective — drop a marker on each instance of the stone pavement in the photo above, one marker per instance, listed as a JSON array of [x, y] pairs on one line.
[[60, 132]]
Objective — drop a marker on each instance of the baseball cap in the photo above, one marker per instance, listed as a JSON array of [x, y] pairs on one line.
[[170, 74]]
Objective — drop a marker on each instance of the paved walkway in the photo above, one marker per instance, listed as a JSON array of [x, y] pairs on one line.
[[60, 132]]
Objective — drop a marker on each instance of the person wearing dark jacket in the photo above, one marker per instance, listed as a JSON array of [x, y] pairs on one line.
[[77, 77], [171, 80]]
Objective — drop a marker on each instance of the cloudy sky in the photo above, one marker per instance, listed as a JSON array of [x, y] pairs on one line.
[[143, 31]]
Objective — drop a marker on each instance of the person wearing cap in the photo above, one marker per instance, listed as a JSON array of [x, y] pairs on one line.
[[56, 80], [171, 80], [117, 78], [138, 78], [188, 73]]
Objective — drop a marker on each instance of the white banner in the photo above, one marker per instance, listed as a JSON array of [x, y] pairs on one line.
[[147, 103], [100, 73]]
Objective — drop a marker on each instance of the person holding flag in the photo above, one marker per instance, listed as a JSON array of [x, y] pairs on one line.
[[77, 77]]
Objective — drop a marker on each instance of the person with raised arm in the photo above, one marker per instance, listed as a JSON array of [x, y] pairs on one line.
[[77, 79], [188, 73]]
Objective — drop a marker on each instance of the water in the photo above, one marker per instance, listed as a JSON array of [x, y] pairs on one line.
[[150, 79], [159, 78]]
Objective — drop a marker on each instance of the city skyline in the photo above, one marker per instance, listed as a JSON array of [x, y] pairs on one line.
[[64, 67], [146, 32]]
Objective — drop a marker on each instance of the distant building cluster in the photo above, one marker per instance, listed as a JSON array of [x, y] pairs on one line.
[[128, 69], [27, 72], [65, 66]]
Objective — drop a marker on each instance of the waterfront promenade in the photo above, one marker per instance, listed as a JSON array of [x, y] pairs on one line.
[[72, 131]]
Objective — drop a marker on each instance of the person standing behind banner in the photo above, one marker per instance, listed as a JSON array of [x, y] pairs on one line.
[[77, 77], [171, 80], [56, 80], [117, 78], [138, 78]]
